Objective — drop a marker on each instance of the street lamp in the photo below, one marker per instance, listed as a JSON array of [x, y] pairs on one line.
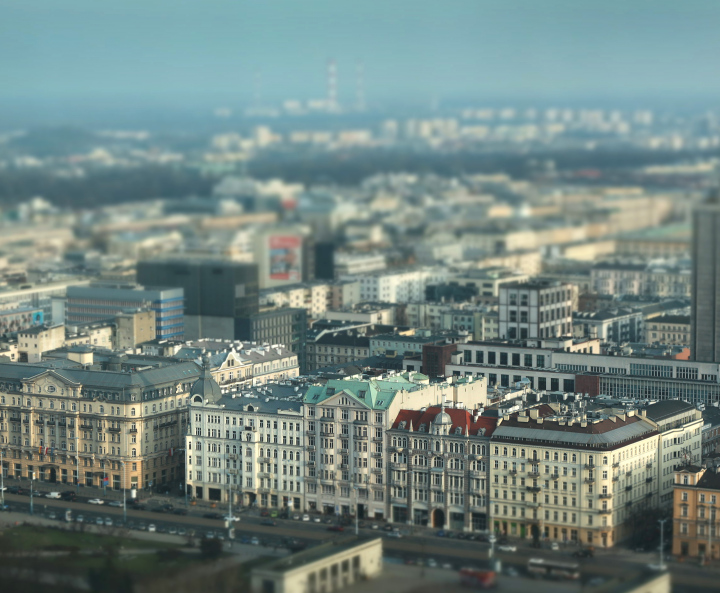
[[124, 492], [2, 477], [662, 529], [32, 485]]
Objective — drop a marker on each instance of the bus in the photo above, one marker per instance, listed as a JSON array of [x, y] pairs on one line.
[[553, 569]]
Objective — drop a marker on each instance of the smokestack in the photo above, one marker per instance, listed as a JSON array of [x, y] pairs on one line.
[[332, 85], [360, 86]]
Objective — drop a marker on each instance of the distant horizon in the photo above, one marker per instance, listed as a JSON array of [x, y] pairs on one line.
[[414, 52]]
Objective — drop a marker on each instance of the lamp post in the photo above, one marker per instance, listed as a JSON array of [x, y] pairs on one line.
[[662, 547], [32, 485]]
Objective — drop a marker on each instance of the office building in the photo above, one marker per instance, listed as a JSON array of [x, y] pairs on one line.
[[218, 294], [283, 325], [87, 304], [610, 325], [704, 312], [535, 309]]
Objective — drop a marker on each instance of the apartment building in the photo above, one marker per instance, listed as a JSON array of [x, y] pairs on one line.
[[570, 477], [617, 278], [34, 342], [246, 446], [537, 309], [669, 329], [346, 436], [696, 512], [439, 459], [610, 325], [82, 421], [315, 297], [397, 286], [341, 347]]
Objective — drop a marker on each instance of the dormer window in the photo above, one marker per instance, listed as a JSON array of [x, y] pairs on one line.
[[423, 427], [402, 424], [458, 430]]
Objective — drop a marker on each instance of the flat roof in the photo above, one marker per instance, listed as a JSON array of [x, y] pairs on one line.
[[316, 553]]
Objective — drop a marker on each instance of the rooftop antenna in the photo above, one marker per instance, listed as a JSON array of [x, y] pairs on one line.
[[332, 85]]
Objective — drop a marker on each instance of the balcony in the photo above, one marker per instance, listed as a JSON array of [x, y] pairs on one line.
[[250, 428], [628, 488], [589, 480], [615, 478], [589, 466], [533, 488], [616, 464], [39, 422], [360, 422], [133, 430], [648, 480], [532, 504], [361, 437], [648, 465], [628, 474], [344, 466], [86, 426], [649, 495], [534, 473], [605, 495], [605, 511], [513, 471], [114, 429], [554, 476], [310, 433]]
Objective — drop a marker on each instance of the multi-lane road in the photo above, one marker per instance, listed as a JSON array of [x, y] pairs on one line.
[[410, 547]]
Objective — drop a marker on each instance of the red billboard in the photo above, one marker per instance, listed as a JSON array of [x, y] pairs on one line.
[[285, 257]]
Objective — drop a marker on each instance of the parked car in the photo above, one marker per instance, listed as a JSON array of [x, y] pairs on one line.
[[306, 517], [99, 521], [492, 538], [395, 534], [268, 522], [441, 533], [68, 495], [254, 541], [52, 516], [172, 530], [231, 518], [108, 522], [554, 546], [152, 528], [212, 516], [14, 490], [584, 553], [180, 512], [431, 563], [55, 495], [116, 503], [79, 519], [296, 517], [507, 548], [316, 519], [264, 513], [182, 531], [96, 501], [4, 507]]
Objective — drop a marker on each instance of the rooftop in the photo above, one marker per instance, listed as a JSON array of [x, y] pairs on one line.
[[316, 553]]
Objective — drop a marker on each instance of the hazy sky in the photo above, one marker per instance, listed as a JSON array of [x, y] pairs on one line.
[[411, 48]]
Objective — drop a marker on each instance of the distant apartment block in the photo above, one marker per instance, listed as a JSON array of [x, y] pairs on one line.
[[537, 309]]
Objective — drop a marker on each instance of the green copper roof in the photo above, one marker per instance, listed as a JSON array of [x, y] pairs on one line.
[[376, 394]]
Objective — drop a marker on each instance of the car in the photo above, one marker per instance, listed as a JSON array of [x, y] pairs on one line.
[[431, 563], [55, 495], [264, 513], [507, 548], [182, 531], [306, 517], [595, 582], [108, 522], [142, 526], [338, 528], [231, 518], [394, 534], [167, 507], [116, 503], [511, 572], [375, 526], [447, 566], [221, 536], [152, 528], [210, 535], [254, 541], [131, 525], [14, 490], [180, 512], [657, 567], [172, 530], [441, 533], [79, 519], [583, 553], [96, 501], [268, 522], [492, 538], [4, 507], [316, 519], [52, 516], [162, 529], [99, 521], [554, 546], [296, 517], [69, 496]]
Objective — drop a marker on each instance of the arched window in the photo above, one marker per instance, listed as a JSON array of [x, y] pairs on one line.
[[133, 453], [132, 411], [102, 409], [605, 460], [556, 456], [197, 399], [514, 452], [565, 457], [574, 458]]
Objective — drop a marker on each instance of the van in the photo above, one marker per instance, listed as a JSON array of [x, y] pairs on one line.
[[53, 495]]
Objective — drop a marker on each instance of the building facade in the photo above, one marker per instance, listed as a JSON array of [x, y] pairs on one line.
[[696, 512], [535, 310], [669, 329], [75, 424]]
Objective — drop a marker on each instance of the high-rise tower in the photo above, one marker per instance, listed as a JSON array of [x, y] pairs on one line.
[[705, 312]]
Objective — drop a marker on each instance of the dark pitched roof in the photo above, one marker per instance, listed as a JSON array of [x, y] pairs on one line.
[[667, 408], [710, 480]]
